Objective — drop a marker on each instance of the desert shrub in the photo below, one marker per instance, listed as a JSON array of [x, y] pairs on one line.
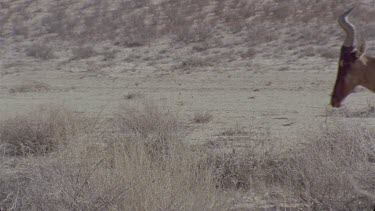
[[233, 171], [122, 177], [202, 117], [194, 63], [54, 22], [39, 132], [137, 33], [133, 95], [40, 51], [334, 169], [13, 184], [187, 32], [114, 171], [326, 52], [362, 112], [155, 129], [83, 52], [30, 86], [19, 28], [307, 52], [248, 160], [258, 34]]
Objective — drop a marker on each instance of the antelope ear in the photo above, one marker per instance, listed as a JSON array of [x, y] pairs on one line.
[[361, 49]]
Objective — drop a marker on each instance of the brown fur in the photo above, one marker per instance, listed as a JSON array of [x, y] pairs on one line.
[[354, 69]]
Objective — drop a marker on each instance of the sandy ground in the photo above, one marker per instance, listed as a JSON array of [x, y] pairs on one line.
[[287, 97]]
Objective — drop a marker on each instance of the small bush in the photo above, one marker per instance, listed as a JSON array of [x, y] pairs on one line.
[[259, 34], [334, 170], [156, 130], [19, 28], [248, 166], [327, 52], [30, 86], [202, 117], [39, 132], [54, 23], [117, 171], [327, 173], [133, 95], [83, 52], [40, 51], [187, 33], [194, 63]]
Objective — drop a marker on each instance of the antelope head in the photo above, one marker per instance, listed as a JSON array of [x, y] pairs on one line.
[[355, 68]]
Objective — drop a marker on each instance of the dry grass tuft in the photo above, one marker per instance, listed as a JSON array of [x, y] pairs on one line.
[[334, 170], [248, 166], [142, 164], [116, 171], [364, 112], [30, 86], [326, 173], [133, 95], [40, 51], [83, 52], [157, 130], [202, 117], [38, 133]]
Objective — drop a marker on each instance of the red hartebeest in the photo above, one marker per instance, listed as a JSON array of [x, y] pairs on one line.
[[355, 68]]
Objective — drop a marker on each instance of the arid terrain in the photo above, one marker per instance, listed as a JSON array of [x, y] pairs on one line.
[[247, 84]]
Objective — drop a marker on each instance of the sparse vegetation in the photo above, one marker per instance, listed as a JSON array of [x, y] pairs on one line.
[[19, 28], [156, 130], [143, 166], [38, 133], [137, 23], [194, 63], [328, 53], [83, 52], [133, 95], [30, 86], [202, 117], [332, 170], [141, 157], [40, 51], [364, 112], [325, 172]]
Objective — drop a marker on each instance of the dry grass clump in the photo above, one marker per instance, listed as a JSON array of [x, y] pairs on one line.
[[202, 117], [193, 63], [151, 127], [327, 52], [246, 167], [145, 120], [83, 52], [40, 51], [39, 132], [364, 112], [143, 166], [133, 95], [122, 177], [19, 28], [334, 169], [30, 86]]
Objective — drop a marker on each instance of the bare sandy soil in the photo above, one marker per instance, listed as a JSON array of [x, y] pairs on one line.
[[287, 96]]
